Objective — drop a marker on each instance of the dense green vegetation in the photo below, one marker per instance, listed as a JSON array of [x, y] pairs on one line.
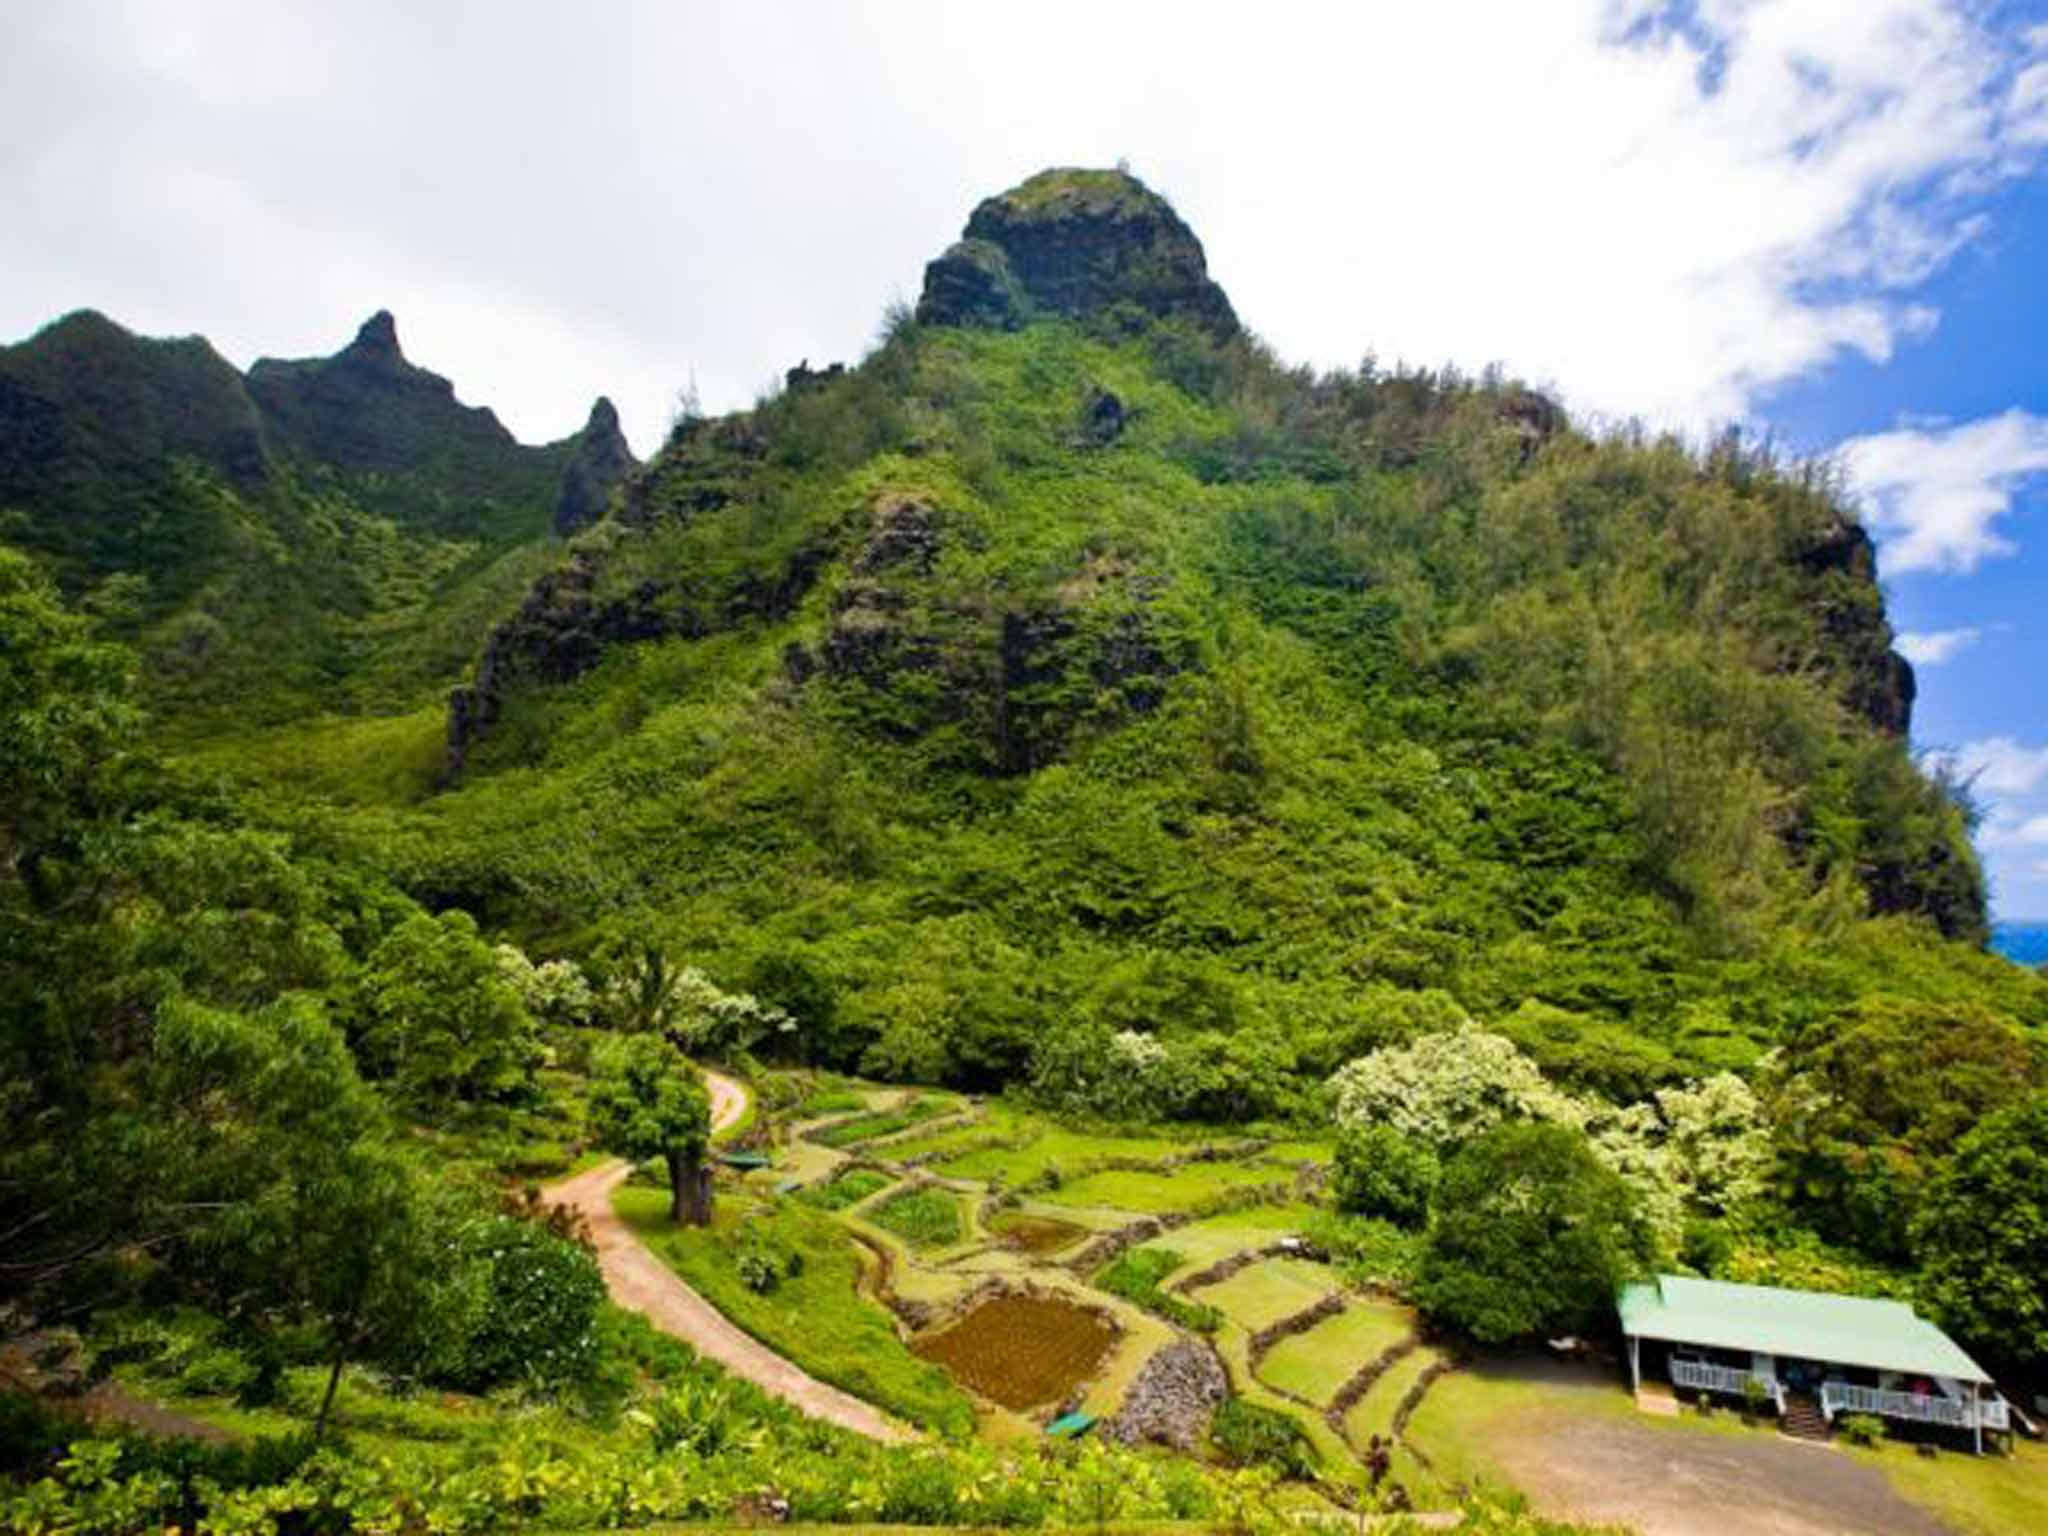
[[1091, 709]]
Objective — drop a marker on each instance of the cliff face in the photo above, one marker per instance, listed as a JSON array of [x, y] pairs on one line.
[[1074, 243], [1878, 682]]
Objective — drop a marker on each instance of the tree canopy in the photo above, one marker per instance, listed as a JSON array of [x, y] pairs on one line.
[[1528, 1233]]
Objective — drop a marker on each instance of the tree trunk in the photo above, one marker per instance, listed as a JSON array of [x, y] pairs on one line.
[[333, 1381], [689, 1191]]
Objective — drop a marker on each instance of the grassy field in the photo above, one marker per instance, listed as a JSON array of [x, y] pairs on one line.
[[866, 1128], [923, 1218], [816, 1318], [1205, 1242], [1179, 1189], [1374, 1413], [1315, 1364], [1051, 1146], [1260, 1296], [1990, 1496]]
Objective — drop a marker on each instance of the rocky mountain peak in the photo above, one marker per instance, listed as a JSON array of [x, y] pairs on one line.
[[602, 458], [1074, 242], [376, 340]]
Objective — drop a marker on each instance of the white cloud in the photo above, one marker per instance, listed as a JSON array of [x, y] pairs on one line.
[[2027, 108], [1997, 766], [1935, 496], [1932, 647], [1660, 216]]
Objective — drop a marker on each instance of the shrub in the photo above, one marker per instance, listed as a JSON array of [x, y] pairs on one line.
[[1865, 1429], [215, 1372], [539, 1318], [763, 1258], [1248, 1434], [1380, 1172], [1136, 1277]]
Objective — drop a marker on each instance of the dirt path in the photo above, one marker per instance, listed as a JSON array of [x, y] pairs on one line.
[[641, 1281], [1661, 1480]]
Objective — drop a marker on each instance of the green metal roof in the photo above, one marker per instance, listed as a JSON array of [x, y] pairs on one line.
[[1798, 1325]]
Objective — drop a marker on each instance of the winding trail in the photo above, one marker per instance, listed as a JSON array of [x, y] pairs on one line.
[[639, 1280]]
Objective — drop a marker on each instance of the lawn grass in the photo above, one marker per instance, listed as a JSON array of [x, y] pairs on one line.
[[1983, 1496], [1315, 1364], [817, 1318], [1214, 1238], [1259, 1296], [1374, 1413], [923, 1218], [1178, 1189]]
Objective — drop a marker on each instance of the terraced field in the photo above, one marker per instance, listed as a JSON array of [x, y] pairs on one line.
[[1186, 1188], [1316, 1364], [977, 1223], [1374, 1414], [1267, 1292]]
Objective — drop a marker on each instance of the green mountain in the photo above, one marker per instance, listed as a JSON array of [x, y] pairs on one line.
[[1069, 662], [1067, 698], [329, 532], [1072, 665]]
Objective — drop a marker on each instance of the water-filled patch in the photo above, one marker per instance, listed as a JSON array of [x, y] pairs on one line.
[[1023, 1349], [1035, 1234]]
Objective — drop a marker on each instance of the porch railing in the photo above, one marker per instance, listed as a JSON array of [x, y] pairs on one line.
[[1701, 1377], [1921, 1407]]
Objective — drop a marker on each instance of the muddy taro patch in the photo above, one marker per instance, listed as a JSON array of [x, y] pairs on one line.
[[1023, 1350]]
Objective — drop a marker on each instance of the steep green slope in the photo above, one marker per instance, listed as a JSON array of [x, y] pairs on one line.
[[1072, 666], [332, 533]]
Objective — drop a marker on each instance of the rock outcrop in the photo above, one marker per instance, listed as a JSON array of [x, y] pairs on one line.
[[1074, 243], [1878, 683], [1175, 1395], [600, 460]]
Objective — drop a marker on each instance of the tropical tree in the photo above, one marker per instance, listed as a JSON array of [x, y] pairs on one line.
[[1866, 1103], [648, 1101], [1982, 1236], [1529, 1232], [1443, 1089], [434, 1012]]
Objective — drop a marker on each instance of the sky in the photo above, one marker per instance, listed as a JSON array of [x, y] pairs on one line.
[[1824, 220]]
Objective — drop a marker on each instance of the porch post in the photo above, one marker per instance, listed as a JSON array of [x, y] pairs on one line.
[[1977, 1413], [1635, 1367]]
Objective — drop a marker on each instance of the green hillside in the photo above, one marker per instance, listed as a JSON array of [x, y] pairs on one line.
[[1078, 674], [1429, 847], [329, 533]]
